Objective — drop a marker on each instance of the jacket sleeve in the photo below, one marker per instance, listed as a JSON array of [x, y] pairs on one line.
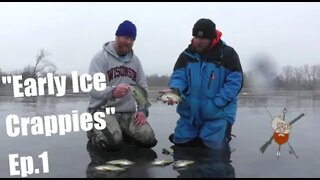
[[178, 79], [141, 77], [233, 81], [97, 65]]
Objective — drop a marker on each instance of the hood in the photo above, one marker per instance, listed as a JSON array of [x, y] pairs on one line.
[[110, 49], [214, 41]]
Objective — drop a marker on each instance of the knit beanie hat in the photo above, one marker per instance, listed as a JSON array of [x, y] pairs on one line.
[[127, 28], [204, 28]]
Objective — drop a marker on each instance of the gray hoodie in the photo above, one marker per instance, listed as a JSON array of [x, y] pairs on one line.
[[127, 70]]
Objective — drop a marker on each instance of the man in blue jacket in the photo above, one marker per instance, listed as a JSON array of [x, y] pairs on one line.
[[208, 76]]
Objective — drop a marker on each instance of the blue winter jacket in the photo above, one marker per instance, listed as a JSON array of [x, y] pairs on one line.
[[209, 84]]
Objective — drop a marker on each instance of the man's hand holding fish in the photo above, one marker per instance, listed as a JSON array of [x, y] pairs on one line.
[[169, 96]]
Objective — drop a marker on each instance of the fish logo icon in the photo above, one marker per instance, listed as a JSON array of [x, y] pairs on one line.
[[281, 132]]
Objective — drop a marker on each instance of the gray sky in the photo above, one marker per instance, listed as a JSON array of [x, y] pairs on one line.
[[73, 32]]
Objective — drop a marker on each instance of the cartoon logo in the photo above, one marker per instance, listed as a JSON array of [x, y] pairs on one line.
[[281, 133]]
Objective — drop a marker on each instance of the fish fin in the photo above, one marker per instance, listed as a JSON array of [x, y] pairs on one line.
[[148, 104]]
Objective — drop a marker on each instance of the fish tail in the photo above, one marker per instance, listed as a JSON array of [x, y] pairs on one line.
[[148, 104]]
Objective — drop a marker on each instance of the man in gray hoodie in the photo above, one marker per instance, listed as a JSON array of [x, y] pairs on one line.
[[121, 68]]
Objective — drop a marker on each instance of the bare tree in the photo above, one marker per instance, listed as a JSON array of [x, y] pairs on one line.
[[316, 75], [154, 80], [317, 72], [27, 72], [298, 75], [43, 65], [307, 73], [287, 75], [313, 73]]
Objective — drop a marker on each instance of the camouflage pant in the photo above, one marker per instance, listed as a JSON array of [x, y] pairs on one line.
[[120, 127]]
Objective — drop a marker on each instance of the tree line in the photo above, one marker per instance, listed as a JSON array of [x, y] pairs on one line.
[[302, 77]]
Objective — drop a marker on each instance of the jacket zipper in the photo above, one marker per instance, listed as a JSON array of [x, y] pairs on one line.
[[209, 83], [190, 77]]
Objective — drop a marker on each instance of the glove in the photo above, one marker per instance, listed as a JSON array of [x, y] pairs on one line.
[[120, 91], [140, 118]]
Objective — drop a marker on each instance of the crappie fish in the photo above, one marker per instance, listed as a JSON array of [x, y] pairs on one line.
[[182, 163], [170, 95], [140, 95], [108, 167], [168, 151], [162, 162], [121, 162]]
